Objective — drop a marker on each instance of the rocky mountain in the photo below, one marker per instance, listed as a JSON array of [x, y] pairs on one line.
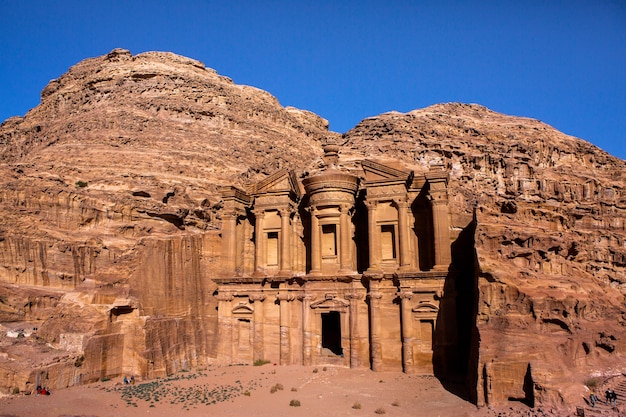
[[110, 223]]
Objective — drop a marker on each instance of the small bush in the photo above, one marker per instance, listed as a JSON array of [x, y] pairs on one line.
[[261, 362], [81, 184], [324, 369], [246, 393], [79, 361], [396, 403], [294, 389], [591, 382], [356, 405], [380, 410], [276, 387], [294, 403], [315, 370]]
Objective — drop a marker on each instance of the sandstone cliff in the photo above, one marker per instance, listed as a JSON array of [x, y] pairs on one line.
[[110, 221]]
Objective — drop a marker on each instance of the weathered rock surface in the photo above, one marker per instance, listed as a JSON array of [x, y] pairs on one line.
[[110, 225]]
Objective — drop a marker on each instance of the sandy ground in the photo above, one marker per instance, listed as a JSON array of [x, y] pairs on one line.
[[267, 390]]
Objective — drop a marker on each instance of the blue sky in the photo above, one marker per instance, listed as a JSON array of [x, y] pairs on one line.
[[562, 62]]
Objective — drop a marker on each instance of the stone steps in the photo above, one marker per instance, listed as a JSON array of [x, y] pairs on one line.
[[618, 385]]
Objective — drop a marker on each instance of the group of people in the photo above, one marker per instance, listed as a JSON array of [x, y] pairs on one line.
[[42, 390], [610, 397], [130, 380]]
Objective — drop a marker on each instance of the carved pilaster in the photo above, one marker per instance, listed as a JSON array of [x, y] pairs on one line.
[[225, 327], [345, 258], [306, 328], [285, 246], [316, 255], [373, 237], [260, 243], [438, 197], [408, 338], [229, 240], [285, 345], [355, 337], [375, 326], [258, 343], [403, 231]]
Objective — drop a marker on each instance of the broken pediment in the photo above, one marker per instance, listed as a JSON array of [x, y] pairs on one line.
[[330, 303], [283, 181], [376, 172]]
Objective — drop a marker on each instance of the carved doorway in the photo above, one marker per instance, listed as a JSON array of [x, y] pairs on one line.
[[331, 333]]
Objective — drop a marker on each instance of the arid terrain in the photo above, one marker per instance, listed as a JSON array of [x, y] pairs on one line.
[[262, 391], [110, 239]]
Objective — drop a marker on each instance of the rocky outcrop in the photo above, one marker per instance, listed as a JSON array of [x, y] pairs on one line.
[[546, 214], [111, 221]]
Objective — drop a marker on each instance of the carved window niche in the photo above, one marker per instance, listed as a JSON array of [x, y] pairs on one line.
[[388, 242], [273, 257], [329, 241], [424, 319]]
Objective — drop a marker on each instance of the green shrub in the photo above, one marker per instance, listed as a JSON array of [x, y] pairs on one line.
[[356, 405], [380, 410], [294, 403], [591, 382], [81, 184], [261, 362]]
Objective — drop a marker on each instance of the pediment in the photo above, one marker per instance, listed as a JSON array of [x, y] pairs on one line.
[[280, 181], [330, 304], [242, 309], [375, 171], [425, 307]]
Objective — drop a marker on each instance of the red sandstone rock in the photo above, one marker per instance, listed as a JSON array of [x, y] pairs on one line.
[[110, 222]]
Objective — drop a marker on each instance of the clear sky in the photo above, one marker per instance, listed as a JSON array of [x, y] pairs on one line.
[[562, 62]]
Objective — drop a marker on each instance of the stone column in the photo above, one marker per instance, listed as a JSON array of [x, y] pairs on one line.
[[345, 258], [285, 345], [260, 250], [355, 343], [229, 240], [441, 226], [258, 348], [285, 244], [316, 256], [408, 338], [373, 237], [438, 196], [225, 327], [306, 328], [375, 326], [403, 234]]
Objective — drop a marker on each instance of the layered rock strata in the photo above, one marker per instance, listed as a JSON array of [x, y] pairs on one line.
[[111, 220]]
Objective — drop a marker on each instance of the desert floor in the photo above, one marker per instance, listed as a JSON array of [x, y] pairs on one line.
[[267, 390]]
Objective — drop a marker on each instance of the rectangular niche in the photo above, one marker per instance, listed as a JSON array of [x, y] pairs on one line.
[[272, 249], [426, 331], [329, 240], [388, 241]]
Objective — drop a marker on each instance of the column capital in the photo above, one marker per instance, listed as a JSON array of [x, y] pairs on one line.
[[405, 295], [256, 297], [401, 202], [258, 212], [224, 296], [371, 204], [353, 296], [307, 297], [377, 295], [285, 296]]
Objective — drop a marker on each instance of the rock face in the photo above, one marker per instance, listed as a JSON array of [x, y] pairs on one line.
[[111, 220]]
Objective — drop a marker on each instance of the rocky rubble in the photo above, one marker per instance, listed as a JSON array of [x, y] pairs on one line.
[[110, 226]]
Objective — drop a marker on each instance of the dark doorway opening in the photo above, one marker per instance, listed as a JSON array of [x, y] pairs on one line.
[[331, 332]]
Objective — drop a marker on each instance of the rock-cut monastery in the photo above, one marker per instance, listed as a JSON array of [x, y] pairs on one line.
[[345, 268]]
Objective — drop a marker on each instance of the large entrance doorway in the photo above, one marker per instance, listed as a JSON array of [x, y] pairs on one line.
[[331, 333]]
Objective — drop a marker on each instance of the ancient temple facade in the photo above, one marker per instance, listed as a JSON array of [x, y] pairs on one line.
[[345, 267]]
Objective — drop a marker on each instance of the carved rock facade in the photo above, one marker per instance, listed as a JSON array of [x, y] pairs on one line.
[[342, 268]]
